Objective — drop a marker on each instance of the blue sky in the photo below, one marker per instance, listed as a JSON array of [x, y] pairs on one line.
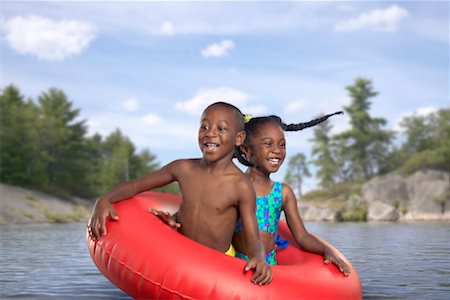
[[150, 68]]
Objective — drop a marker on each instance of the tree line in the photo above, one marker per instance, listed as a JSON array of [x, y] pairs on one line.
[[367, 149], [44, 145]]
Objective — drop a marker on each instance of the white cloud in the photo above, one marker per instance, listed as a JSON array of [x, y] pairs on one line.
[[47, 39], [218, 49], [205, 97], [152, 119], [295, 106], [167, 28], [378, 19], [130, 104]]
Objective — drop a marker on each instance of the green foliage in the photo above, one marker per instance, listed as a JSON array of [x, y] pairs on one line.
[[363, 149], [356, 213], [340, 190], [428, 159], [297, 169], [44, 146], [328, 168]]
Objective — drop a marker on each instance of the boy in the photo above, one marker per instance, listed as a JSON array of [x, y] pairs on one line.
[[215, 193]]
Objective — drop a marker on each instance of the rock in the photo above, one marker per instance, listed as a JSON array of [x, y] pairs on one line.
[[390, 189], [381, 212], [20, 205], [428, 192], [310, 212]]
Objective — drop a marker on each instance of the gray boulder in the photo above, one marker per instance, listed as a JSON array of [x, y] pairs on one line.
[[310, 212], [428, 192], [381, 212], [389, 189]]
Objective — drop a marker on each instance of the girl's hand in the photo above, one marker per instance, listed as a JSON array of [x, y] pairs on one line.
[[103, 210], [330, 256], [165, 217], [263, 272]]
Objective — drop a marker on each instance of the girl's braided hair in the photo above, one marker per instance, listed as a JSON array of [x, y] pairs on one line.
[[254, 123]]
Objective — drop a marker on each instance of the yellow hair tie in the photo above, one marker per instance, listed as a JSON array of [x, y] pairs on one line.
[[247, 118]]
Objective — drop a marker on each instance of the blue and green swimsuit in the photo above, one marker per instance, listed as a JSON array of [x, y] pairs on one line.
[[268, 210]]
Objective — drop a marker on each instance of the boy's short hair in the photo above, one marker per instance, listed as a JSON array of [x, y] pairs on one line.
[[237, 112]]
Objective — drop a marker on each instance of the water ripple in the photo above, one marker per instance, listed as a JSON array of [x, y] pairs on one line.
[[394, 261]]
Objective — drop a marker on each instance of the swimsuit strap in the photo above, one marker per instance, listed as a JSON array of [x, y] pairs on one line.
[[268, 210]]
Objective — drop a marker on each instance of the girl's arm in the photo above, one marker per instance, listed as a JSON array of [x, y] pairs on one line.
[[307, 241], [103, 208]]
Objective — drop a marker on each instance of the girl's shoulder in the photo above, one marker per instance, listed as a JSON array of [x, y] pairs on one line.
[[287, 192]]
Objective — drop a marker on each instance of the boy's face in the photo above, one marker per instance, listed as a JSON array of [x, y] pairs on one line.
[[218, 133], [267, 148]]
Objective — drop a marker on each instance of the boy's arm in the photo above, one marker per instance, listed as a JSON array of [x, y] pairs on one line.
[[255, 248], [308, 241], [103, 210]]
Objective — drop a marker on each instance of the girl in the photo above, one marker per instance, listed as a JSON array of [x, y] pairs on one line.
[[263, 151]]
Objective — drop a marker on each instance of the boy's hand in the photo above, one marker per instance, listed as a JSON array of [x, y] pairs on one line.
[[263, 272], [165, 217], [97, 223], [330, 256]]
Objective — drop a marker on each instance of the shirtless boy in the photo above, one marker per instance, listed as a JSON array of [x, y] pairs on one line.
[[215, 193]]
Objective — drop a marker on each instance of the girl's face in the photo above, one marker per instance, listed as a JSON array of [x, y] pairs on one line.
[[267, 148]]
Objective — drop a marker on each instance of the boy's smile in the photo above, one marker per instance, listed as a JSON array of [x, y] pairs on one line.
[[218, 133]]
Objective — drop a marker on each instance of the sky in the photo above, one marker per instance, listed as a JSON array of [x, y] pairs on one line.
[[151, 67]]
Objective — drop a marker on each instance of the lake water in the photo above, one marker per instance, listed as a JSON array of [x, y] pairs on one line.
[[394, 261]]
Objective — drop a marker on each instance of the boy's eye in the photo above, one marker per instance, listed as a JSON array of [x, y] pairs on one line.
[[222, 129], [203, 127]]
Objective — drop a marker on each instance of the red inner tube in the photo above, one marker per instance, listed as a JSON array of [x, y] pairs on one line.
[[148, 260]]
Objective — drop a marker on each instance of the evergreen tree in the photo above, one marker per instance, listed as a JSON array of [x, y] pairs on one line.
[[327, 168], [62, 142], [366, 143], [18, 138], [297, 169]]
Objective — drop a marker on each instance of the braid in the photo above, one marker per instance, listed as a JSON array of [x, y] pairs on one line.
[[239, 155], [252, 125], [301, 126]]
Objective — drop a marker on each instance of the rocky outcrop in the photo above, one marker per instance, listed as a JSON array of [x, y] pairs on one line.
[[20, 205], [310, 212], [425, 195], [379, 211]]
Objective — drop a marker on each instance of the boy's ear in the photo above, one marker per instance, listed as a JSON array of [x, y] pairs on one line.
[[245, 150], [240, 138]]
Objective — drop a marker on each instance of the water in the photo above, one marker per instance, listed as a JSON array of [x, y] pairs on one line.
[[394, 261]]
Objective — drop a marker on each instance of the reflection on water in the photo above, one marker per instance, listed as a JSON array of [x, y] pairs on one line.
[[394, 261]]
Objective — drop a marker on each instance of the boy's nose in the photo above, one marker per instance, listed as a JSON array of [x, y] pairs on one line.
[[212, 132]]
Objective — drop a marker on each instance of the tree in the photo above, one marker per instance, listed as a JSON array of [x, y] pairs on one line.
[[322, 152], [117, 152], [62, 142], [18, 137], [297, 169], [366, 143], [427, 143]]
